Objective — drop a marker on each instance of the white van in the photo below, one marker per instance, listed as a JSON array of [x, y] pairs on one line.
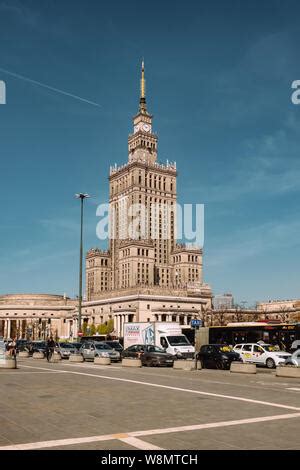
[[167, 335], [264, 354]]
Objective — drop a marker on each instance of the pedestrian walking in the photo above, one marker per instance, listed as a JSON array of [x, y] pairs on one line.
[[11, 347], [50, 346]]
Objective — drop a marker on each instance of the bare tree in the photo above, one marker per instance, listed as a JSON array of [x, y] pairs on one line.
[[207, 316], [220, 316], [263, 313], [238, 314], [283, 315], [255, 316]]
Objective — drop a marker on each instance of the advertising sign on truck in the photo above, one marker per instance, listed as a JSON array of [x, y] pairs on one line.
[[167, 335]]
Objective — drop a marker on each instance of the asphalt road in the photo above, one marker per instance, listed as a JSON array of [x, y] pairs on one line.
[[86, 406]]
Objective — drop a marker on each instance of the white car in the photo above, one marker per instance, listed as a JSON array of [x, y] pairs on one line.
[[294, 359], [264, 354]]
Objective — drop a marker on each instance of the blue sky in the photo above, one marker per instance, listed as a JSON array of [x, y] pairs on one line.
[[219, 80]]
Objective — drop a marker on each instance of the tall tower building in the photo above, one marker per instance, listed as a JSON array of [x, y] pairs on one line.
[[142, 200], [142, 204]]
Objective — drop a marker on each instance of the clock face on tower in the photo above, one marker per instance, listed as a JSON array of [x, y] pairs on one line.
[[142, 127]]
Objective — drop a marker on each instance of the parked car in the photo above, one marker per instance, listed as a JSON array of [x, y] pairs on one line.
[[89, 350], [294, 359], [150, 355], [2, 349], [261, 354], [295, 345], [65, 349], [76, 346], [37, 346], [217, 356], [22, 345]]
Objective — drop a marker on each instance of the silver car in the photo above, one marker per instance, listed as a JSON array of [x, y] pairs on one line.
[[65, 349], [90, 350], [294, 359]]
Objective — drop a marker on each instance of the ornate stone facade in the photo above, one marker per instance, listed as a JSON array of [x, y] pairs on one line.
[[143, 252], [37, 316]]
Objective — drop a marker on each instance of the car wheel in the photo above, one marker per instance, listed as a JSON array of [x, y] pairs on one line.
[[270, 363], [220, 365]]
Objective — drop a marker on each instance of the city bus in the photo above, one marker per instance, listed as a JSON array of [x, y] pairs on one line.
[[97, 338], [270, 332]]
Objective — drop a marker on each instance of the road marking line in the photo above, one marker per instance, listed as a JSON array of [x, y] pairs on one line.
[[149, 432], [20, 372], [220, 424], [294, 389], [139, 444], [185, 390]]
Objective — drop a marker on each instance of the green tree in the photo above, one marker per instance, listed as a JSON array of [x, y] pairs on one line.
[[101, 329], [84, 328], [110, 326], [105, 328], [93, 329]]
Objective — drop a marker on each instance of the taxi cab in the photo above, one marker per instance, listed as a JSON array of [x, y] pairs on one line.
[[261, 354]]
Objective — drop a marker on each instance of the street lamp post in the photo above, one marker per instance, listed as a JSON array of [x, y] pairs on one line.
[[80, 196]]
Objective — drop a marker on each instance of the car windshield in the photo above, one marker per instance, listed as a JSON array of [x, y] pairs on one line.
[[224, 348], [155, 349], [178, 340], [102, 346], [269, 347], [114, 344], [66, 345], [76, 345]]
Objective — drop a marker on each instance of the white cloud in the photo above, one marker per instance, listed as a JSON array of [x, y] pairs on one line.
[[269, 166], [255, 241]]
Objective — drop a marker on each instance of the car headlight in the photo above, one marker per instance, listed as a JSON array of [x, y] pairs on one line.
[[105, 354], [224, 357]]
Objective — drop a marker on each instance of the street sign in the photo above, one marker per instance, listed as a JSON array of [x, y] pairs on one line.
[[80, 333], [196, 323]]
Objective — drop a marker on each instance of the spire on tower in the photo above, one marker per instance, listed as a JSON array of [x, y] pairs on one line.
[[143, 107]]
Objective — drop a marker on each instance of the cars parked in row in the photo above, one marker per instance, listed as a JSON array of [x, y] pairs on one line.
[[89, 350], [217, 356], [150, 355], [261, 354]]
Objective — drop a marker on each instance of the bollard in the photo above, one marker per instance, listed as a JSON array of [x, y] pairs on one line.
[[23, 354], [76, 358], [181, 364], [292, 372], [55, 358], [128, 362], [10, 362], [104, 361], [243, 368], [38, 355]]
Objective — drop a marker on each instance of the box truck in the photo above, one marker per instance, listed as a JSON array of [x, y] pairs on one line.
[[167, 335]]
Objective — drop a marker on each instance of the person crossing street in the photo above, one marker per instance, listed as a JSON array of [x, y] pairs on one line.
[[50, 346]]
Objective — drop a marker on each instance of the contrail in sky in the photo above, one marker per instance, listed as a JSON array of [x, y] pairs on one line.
[[26, 79]]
